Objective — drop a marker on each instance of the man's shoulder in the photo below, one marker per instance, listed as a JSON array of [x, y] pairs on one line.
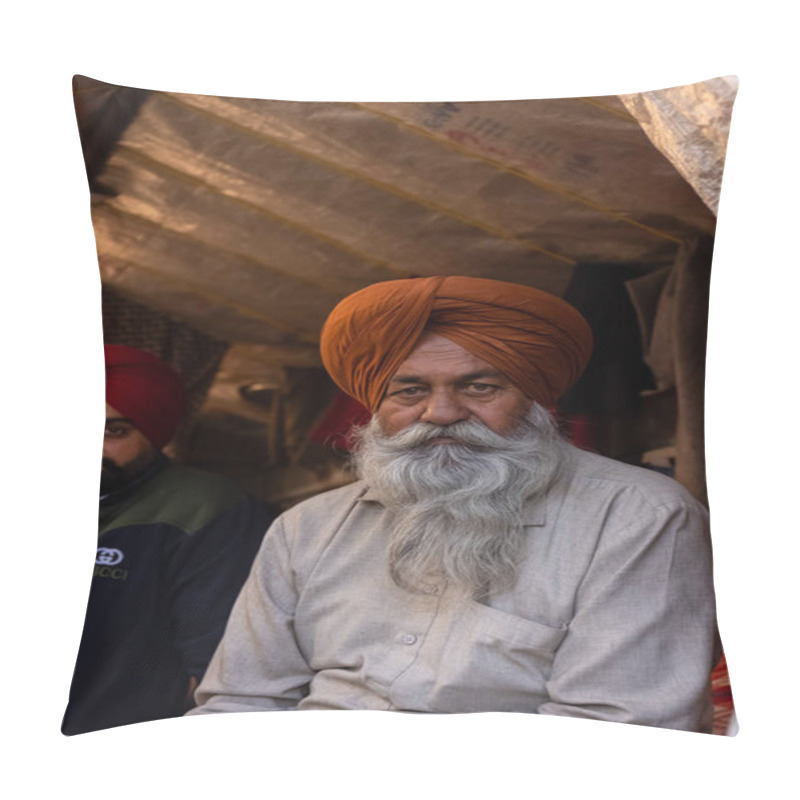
[[218, 488], [308, 527], [329, 502], [184, 498], [589, 471]]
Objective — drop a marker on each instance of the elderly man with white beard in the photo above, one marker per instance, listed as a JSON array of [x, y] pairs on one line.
[[480, 562]]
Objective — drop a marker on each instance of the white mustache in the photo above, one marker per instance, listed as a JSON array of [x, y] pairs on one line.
[[469, 433]]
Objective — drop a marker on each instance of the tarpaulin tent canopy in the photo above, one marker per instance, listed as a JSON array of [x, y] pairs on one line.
[[247, 220]]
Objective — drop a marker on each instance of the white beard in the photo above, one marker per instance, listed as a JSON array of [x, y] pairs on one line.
[[457, 508]]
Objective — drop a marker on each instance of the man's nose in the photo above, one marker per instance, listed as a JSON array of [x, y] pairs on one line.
[[444, 408]]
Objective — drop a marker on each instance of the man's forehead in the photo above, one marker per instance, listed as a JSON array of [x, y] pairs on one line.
[[480, 374], [436, 354]]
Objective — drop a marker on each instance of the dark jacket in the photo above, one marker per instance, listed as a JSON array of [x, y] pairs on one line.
[[173, 552]]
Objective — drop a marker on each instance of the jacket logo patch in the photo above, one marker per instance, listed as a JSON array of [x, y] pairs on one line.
[[108, 556], [110, 572]]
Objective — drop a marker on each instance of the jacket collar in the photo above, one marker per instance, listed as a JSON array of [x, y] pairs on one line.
[[160, 463]]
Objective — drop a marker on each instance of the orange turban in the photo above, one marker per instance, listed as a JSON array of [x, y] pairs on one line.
[[540, 342]]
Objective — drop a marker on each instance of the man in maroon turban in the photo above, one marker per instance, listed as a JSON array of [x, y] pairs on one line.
[[175, 545], [480, 562], [145, 402]]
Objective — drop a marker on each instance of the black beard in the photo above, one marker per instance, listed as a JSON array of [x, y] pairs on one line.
[[114, 478]]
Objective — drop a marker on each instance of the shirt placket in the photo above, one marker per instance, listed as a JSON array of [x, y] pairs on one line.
[[410, 632]]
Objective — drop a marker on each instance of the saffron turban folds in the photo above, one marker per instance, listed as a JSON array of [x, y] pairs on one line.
[[540, 342], [145, 390]]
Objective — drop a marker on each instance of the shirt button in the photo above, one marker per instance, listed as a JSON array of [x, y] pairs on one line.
[[408, 638]]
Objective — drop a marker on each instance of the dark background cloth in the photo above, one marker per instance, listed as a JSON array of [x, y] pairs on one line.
[[616, 374]]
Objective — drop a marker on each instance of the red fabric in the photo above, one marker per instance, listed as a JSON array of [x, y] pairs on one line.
[[537, 340], [582, 430], [722, 697], [343, 413], [145, 390]]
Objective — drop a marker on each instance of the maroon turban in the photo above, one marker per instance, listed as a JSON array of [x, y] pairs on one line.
[[145, 390], [540, 342]]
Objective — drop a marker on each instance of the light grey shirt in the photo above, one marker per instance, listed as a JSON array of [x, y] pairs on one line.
[[612, 616]]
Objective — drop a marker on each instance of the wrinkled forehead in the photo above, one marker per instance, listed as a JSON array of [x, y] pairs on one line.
[[436, 355]]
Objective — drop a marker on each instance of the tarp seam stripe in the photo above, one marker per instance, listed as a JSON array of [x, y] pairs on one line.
[[261, 210], [194, 288], [385, 187], [547, 186]]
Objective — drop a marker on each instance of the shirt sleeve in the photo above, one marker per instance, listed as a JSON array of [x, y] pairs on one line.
[[643, 640], [207, 573], [258, 665]]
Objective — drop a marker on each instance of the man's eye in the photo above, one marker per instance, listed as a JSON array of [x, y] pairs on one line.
[[117, 431], [409, 392], [481, 388]]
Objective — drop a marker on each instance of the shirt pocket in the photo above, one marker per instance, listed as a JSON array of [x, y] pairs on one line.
[[494, 661]]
